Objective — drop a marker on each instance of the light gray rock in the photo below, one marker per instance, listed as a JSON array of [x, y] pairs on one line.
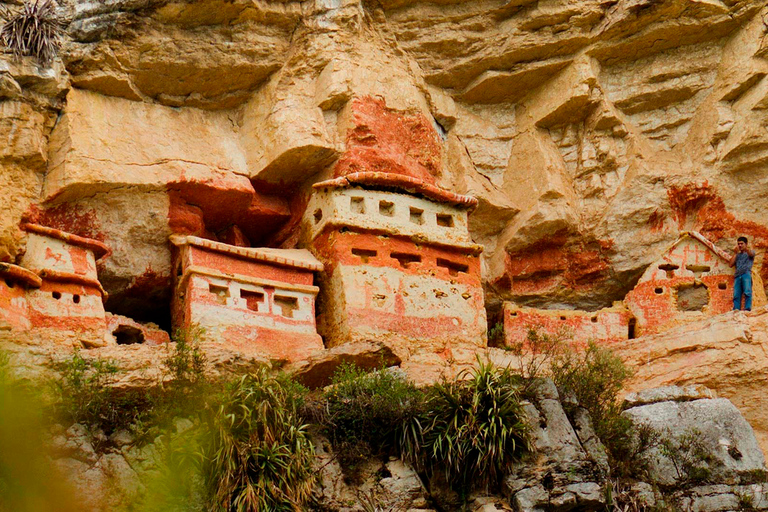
[[403, 488], [708, 435], [121, 438], [722, 498], [569, 466], [667, 394]]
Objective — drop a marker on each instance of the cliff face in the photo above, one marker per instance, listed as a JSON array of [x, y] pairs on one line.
[[592, 133]]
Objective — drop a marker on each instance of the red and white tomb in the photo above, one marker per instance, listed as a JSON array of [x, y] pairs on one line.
[[256, 300], [400, 265], [69, 297]]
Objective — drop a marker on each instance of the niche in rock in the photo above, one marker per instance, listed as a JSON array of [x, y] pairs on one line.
[[128, 335], [692, 298]]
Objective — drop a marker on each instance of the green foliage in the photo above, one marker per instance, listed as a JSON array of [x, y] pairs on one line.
[[475, 428], [373, 413], [84, 395], [28, 481], [496, 334], [187, 364], [596, 376], [256, 455], [33, 31], [175, 484], [536, 354], [690, 456]]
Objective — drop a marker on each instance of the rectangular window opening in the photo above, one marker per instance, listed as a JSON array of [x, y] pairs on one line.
[[287, 305], [405, 259], [221, 292], [387, 208], [417, 216], [252, 299], [445, 220], [357, 204], [453, 267], [364, 254]]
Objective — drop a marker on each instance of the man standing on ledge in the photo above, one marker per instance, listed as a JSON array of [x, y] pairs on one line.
[[742, 282]]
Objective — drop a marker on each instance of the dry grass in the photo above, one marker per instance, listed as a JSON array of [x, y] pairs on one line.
[[35, 31]]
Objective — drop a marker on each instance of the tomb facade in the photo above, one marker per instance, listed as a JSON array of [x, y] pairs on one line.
[[605, 325], [690, 280], [14, 308], [693, 278], [251, 299], [70, 297], [400, 265]]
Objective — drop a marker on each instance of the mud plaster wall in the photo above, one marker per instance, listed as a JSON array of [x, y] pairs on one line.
[[608, 325], [388, 287], [247, 305]]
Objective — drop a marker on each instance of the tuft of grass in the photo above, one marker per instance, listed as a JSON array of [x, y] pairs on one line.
[[475, 428], [256, 454], [33, 31]]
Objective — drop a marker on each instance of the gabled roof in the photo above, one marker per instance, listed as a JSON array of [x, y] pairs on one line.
[[701, 238], [296, 258], [388, 181]]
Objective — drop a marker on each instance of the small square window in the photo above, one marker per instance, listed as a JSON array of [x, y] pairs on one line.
[[286, 305], [445, 220], [387, 208], [417, 216], [357, 204], [252, 299]]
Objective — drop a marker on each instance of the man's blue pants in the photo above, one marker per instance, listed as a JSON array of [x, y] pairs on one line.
[[742, 285]]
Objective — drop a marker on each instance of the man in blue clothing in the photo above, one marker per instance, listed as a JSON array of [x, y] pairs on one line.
[[742, 282]]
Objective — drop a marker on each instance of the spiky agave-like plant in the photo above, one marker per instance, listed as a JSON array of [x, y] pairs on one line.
[[33, 31], [258, 456], [476, 427]]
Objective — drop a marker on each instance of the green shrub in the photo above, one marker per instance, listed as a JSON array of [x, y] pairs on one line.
[[596, 376], [187, 365], [536, 354], [475, 428], [33, 31], [84, 395], [373, 413], [689, 455], [256, 454]]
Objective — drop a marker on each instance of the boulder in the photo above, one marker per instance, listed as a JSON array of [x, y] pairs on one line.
[[700, 441]]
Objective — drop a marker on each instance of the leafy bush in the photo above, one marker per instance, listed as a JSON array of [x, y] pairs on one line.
[[187, 365], [689, 455], [34, 31], [596, 376], [373, 413], [256, 455], [536, 354], [84, 395], [475, 428]]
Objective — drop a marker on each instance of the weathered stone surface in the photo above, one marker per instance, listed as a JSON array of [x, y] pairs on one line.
[[316, 371], [668, 394], [724, 353], [707, 435], [568, 466]]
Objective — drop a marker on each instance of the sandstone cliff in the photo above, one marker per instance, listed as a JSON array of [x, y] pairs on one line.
[[592, 132]]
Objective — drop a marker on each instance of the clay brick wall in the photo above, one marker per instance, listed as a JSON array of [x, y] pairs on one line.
[[252, 306]]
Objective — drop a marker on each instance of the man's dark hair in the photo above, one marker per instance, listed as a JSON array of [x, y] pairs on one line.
[[742, 239]]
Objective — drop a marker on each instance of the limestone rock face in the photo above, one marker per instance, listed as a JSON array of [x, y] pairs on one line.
[[710, 426]]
